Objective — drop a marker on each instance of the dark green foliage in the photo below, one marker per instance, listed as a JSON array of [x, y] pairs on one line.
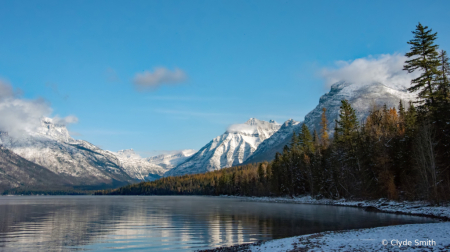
[[249, 180], [423, 57], [306, 139], [347, 124], [443, 81]]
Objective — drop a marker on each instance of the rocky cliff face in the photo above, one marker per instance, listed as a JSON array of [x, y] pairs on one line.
[[229, 149], [17, 172]]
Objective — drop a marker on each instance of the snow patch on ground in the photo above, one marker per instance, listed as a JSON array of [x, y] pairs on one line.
[[418, 237], [411, 237]]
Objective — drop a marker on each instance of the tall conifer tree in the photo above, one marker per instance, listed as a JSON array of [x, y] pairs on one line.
[[411, 119], [348, 122], [306, 139], [324, 129], [424, 58]]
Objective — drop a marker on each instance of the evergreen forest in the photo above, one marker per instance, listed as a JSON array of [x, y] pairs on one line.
[[399, 153]]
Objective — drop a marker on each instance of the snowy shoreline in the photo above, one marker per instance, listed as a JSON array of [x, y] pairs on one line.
[[423, 237]]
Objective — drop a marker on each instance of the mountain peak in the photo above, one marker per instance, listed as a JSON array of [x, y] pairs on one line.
[[54, 131], [290, 122], [229, 149], [256, 122], [129, 153], [253, 121]]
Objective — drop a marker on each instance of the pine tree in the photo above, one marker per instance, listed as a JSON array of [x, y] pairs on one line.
[[336, 138], [443, 91], [443, 115], [423, 57], [401, 111], [444, 75], [348, 122], [324, 129], [402, 117], [306, 140], [316, 139], [261, 172], [294, 141], [347, 127], [411, 119]]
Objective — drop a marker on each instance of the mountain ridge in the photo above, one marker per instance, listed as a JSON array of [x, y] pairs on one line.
[[362, 97], [231, 148], [78, 161]]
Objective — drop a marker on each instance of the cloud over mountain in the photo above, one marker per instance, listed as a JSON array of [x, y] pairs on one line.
[[23, 115], [243, 128], [385, 68]]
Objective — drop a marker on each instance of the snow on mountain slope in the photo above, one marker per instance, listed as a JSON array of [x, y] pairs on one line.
[[229, 149], [361, 97], [138, 167], [79, 161], [268, 146], [16, 172], [170, 161]]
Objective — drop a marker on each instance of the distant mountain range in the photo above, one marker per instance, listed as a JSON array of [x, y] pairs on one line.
[[151, 168], [50, 154]]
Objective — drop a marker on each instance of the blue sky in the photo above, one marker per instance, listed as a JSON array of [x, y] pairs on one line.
[[236, 59]]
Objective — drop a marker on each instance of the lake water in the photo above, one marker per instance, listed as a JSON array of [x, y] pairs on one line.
[[166, 223]]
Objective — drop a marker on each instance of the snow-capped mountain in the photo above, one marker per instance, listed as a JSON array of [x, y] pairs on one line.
[[152, 168], [270, 146], [79, 161], [170, 161], [362, 97], [139, 168], [229, 149]]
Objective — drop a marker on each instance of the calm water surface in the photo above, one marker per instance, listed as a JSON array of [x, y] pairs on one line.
[[166, 223]]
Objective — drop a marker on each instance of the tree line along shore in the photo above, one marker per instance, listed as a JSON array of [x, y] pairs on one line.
[[397, 153]]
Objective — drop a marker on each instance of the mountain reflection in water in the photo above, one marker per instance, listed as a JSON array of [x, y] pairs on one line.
[[175, 223]]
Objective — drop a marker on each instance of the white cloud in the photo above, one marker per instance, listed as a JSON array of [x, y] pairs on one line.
[[385, 68], [243, 128], [160, 76], [66, 120], [5, 90], [18, 116]]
